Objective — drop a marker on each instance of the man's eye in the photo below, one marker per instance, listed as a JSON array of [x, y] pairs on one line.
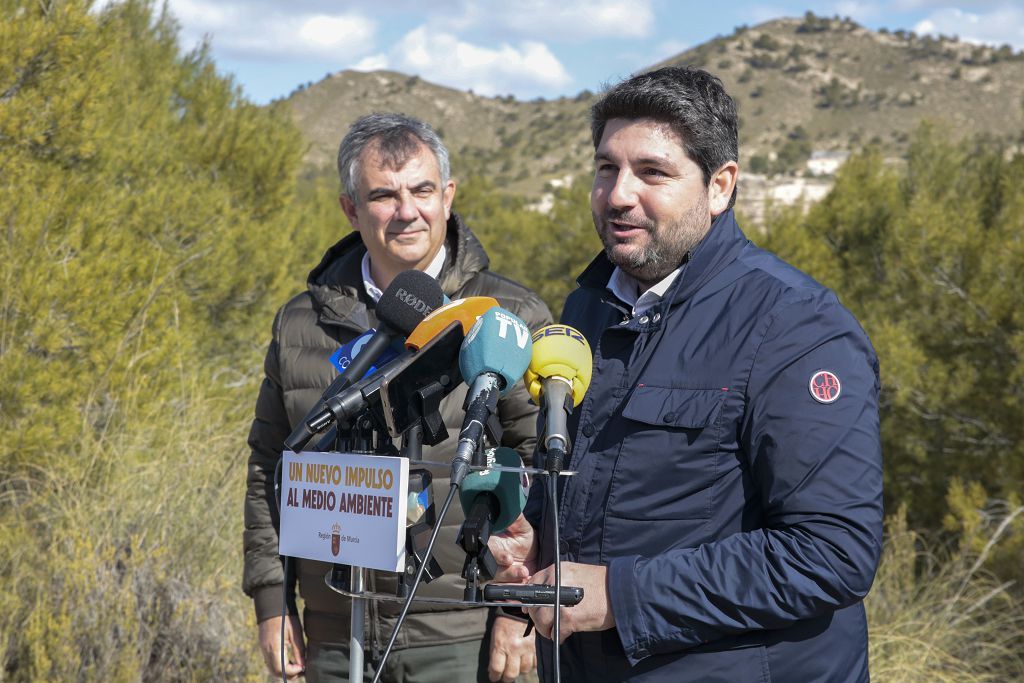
[[653, 172], [606, 169]]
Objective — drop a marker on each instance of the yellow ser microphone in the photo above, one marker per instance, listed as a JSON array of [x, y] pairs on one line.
[[557, 379]]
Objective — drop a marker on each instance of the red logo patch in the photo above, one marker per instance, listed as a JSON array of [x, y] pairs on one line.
[[824, 386]]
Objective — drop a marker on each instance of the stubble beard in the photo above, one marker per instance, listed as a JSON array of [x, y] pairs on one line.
[[666, 246]]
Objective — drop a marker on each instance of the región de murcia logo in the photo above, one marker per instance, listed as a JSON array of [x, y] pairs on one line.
[[335, 539]]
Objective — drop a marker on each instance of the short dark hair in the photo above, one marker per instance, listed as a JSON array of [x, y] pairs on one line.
[[397, 138], [691, 101]]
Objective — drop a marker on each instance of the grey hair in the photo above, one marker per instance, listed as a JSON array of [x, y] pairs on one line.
[[396, 138]]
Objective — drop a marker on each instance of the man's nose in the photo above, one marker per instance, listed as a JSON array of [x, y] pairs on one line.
[[623, 192], [407, 210]]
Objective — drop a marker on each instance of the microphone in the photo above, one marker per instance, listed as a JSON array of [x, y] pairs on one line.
[[492, 500], [467, 311], [402, 397], [410, 297], [557, 378], [342, 358], [410, 388], [495, 494], [493, 357]]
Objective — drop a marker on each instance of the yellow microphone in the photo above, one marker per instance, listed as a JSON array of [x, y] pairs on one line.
[[558, 377]]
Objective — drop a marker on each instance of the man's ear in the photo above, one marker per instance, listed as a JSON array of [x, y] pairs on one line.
[[349, 207], [723, 182], [448, 197]]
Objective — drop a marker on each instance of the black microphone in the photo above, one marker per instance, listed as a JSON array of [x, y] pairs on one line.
[[434, 366], [410, 297]]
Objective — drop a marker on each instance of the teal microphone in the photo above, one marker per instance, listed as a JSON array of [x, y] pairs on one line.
[[501, 492], [494, 355]]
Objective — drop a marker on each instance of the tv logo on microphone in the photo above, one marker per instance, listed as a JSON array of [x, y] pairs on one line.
[[522, 333], [413, 301]]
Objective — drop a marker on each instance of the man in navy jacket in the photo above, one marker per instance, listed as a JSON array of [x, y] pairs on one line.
[[725, 520]]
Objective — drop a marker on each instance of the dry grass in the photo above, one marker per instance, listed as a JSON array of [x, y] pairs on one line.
[[131, 572], [940, 618]]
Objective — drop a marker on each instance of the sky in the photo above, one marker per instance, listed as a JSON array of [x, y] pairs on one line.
[[530, 48]]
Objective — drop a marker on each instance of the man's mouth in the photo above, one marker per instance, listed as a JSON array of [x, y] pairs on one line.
[[625, 229], [405, 233]]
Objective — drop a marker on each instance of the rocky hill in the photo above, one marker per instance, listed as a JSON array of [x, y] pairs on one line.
[[804, 86]]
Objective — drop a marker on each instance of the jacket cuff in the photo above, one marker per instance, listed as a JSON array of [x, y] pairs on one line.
[[517, 613], [267, 602], [627, 608]]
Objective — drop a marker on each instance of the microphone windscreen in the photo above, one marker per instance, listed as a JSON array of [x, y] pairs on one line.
[[410, 297], [499, 343], [465, 311], [560, 351], [508, 488]]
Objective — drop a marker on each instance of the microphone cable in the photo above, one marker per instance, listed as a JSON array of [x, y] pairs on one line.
[[555, 642], [416, 583]]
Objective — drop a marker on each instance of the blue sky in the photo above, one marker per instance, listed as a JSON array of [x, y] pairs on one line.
[[529, 49]]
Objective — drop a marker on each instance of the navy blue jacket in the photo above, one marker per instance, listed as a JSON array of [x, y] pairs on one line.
[[729, 475]]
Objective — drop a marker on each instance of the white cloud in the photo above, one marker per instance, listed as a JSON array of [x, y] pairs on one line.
[[372, 63], [443, 58], [249, 30], [1000, 25], [569, 20]]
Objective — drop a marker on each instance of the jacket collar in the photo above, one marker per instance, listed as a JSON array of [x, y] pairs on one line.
[[336, 284], [718, 248]]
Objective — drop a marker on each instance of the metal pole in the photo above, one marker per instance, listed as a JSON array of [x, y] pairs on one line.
[[355, 642]]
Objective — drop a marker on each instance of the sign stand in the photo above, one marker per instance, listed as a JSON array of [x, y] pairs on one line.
[[355, 641], [412, 448]]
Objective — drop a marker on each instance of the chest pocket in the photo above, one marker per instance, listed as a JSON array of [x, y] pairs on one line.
[[669, 457]]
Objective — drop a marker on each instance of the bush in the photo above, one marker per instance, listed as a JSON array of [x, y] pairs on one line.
[[935, 616], [148, 225]]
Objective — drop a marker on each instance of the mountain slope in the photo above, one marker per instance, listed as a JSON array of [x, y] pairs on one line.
[[802, 85]]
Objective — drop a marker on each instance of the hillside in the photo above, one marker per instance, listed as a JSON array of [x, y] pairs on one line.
[[515, 142], [846, 86], [802, 85]]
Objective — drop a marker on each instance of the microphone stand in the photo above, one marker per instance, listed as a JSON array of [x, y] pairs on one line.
[[359, 439], [416, 582], [552, 475], [357, 585], [459, 470], [556, 445]]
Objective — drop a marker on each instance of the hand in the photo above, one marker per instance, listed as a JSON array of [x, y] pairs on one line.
[[515, 551], [270, 646], [512, 653], [594, 613]]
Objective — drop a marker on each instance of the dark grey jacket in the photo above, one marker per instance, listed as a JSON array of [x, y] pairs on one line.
[[307, 330]]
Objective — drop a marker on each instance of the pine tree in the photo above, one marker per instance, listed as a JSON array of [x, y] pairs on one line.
[[930, 257]]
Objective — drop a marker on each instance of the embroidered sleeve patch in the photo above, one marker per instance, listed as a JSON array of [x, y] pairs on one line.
[[824, 386]]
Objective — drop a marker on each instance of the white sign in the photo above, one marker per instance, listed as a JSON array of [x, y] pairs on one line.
[[345, 508]]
